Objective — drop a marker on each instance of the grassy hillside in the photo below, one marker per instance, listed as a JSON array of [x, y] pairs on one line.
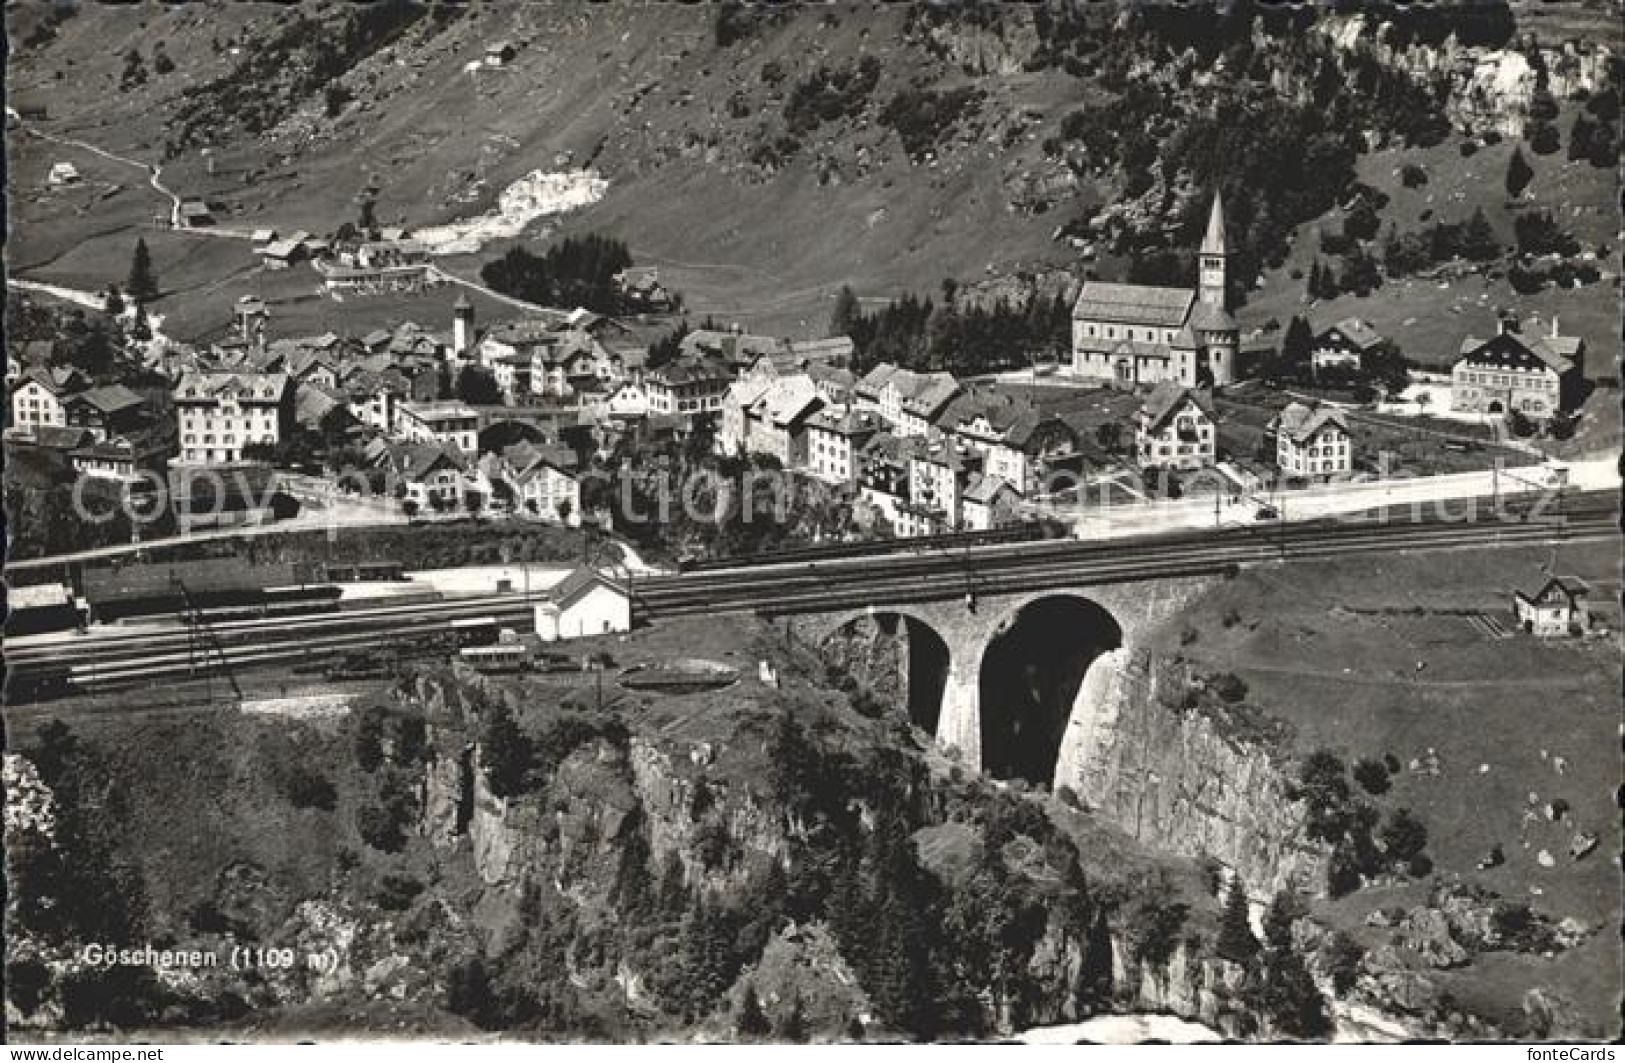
[[757, 193]]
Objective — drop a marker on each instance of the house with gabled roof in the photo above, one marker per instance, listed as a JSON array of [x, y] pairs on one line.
[[39, 398], [1175, 429], [1018, 441], [1129, 335], [1538, 377], [1312, 440], [1559, 608], [988, 503], [1345, 345], [545, 481], [110, 410], [432, 476], [586, 602]]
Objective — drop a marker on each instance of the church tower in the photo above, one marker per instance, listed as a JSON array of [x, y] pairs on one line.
[[462, 326], [1213, 259]]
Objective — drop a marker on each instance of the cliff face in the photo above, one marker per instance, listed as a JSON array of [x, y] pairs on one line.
[[1486, 88], [1179, 780]]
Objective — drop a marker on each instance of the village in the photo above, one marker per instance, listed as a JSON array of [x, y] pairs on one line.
[[505, 419]]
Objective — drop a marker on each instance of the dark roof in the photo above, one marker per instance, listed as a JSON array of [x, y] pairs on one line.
[[109, 399], [1507, 349], [574, 587], [1300, 421], [1357, 332], [1168, 397], [1559, 590], [1213, 242], [56, 438]]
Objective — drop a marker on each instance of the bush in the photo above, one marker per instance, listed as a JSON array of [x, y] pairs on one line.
[[1372, 775], [1230, 688], [307, 788], [1413, 176], [1404, 838], [397, 892]]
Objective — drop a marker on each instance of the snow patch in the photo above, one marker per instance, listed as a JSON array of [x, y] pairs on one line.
[[1122, 1030], [535, 195]]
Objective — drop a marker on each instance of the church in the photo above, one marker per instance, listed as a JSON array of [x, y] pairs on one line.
[[1128, 335]]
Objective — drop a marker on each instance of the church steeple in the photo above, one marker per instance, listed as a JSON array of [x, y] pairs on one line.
[[1212, 259]]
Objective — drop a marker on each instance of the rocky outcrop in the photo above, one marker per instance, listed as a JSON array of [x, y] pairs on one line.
[[1180, 779]]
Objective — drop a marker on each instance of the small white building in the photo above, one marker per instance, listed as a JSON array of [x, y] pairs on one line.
[[584, 603], [1557, 609], [62, 173]]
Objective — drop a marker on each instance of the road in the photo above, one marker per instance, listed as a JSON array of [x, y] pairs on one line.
[[153, 172], [144, 654], [1328, 501]]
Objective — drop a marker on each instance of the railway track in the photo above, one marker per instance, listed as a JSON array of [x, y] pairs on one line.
[[117, 657]]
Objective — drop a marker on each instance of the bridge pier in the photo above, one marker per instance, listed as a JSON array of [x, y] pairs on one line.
[[959, 726]]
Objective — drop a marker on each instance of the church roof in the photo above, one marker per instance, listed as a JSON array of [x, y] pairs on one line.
[[1213, 242], [1210, 318], [1133, 304]]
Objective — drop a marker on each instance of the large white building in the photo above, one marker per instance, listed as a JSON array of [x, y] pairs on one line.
[[1132, 334], [221, 413], [1535, 376], [1312, 441]]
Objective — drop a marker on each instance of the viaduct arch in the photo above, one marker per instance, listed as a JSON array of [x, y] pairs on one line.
[[1031, 680]]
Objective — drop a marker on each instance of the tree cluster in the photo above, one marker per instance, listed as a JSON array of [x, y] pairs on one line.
[[577, 271]]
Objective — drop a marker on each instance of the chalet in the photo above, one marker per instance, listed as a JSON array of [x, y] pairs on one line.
[[194, 214], [40, 396], [584, 603], [280, 254], [988, 503], [641, 288], [544, 482], [500, 53], [1557, 609], [1312, 441], [105, 411], [62, 173], [123, 459], [1538, 378], [428, 475], [1346, 345], [1174, 429]]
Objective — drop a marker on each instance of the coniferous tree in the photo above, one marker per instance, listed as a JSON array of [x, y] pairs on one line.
[[143, 281], [1519, 174], [1236, 941], [1281, 985], [113, 301], [1478, 240], [505, 751], [793, 1026], [752, 1022], [845, 312]]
